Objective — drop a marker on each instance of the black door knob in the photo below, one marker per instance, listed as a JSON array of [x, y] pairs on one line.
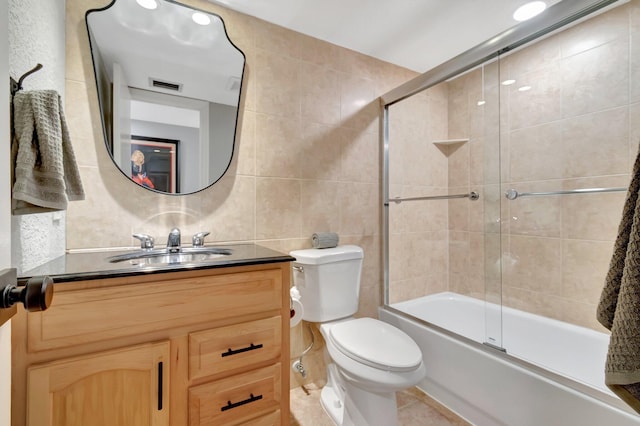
[[36, 295]]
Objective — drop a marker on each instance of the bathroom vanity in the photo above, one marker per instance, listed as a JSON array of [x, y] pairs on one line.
[[171, 345]]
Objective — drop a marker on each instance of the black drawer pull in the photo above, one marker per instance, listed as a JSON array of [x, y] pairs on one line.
[[239, 351], [160, 364], [230, 405]]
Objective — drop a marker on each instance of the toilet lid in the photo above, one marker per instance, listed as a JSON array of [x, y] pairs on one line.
[[376, 344]]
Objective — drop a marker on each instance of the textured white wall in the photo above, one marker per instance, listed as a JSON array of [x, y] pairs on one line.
[[31, 31], [5, 218], [37, 35]]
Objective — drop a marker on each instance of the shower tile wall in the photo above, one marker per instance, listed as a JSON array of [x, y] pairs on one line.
[[473, 226], [576, 127], [418, 237], [439, 245]]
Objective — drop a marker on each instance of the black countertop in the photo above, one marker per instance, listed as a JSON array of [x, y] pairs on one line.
[[94, 265]]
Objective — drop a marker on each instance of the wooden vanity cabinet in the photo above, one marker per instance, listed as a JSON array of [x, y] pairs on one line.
[[203, 347]]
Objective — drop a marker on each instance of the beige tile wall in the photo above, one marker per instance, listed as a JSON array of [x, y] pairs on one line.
[[575, 128], [417, 230], [571, 130], [307, 156]]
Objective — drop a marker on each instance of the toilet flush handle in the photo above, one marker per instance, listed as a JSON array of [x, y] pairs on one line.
[[298, 268]]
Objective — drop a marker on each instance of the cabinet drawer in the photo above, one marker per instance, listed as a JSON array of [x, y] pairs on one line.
[[236, 399], [270, 419], [85, 316], [238, 345]]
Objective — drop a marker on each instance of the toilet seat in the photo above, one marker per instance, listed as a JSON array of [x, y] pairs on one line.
[[376, 344]]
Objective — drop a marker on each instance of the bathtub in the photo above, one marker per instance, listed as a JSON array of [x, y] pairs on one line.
[[551, 374]]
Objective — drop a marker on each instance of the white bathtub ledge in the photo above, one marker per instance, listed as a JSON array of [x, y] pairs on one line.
[[488, 390]]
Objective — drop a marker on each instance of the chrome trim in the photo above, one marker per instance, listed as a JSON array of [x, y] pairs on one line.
[[384, 124], [512, 194], [471, 195], [186, 254]]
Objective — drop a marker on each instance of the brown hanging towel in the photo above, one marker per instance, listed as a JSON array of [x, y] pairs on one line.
[[619, 307]]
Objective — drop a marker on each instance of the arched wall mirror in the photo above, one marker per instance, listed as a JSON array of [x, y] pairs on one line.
[[169, 81]]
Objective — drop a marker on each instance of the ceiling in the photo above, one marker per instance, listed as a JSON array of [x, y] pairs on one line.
[[166, 45], [415, 34]]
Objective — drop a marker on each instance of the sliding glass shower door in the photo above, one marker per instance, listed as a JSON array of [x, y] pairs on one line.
[[567, 108], [443, 209], [505, 177]]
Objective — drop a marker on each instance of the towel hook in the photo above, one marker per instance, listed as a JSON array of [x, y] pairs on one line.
[[17, 86]]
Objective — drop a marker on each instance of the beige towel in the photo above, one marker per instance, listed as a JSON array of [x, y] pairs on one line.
[[46, 176], [619, 307]]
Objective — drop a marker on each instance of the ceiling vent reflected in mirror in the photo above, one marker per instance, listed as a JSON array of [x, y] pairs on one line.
[[166, 59], [176, 87]]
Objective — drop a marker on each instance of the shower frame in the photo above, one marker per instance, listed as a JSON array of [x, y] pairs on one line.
[[555, 18]]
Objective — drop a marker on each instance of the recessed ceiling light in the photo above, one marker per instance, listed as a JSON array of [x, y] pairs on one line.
[[148, 4], [200, 18], [508, 82], [529, 10], [524, 88]]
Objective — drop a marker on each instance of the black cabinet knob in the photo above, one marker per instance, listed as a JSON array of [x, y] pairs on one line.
[[36, 295]]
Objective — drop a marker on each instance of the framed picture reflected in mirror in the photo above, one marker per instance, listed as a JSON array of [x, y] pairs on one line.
[[154, 163]]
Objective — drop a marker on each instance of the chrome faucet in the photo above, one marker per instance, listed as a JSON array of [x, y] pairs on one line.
[[146, 241], [173, 242]]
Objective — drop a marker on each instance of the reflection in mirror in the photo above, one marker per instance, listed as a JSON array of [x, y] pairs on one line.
[[169, 81]]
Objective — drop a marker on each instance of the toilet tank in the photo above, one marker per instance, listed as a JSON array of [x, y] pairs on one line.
[[328, 281]]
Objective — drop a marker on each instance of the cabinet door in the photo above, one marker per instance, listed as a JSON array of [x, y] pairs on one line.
[[128, 386]]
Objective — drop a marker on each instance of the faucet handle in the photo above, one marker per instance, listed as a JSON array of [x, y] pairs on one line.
[[146, 241], [198, 239]]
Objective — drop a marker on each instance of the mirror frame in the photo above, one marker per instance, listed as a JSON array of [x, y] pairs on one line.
[[103, 116]]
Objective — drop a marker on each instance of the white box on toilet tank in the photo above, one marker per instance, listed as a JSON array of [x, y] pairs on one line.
[[328, 281]]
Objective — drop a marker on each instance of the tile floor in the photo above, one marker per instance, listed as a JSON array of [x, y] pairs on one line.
[[414, 409]]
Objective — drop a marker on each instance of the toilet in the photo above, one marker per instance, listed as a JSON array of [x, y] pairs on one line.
[[367, 360]]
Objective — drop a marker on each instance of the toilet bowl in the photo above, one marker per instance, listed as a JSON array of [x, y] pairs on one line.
[[372, 352], [368, 360], [373, 360]]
